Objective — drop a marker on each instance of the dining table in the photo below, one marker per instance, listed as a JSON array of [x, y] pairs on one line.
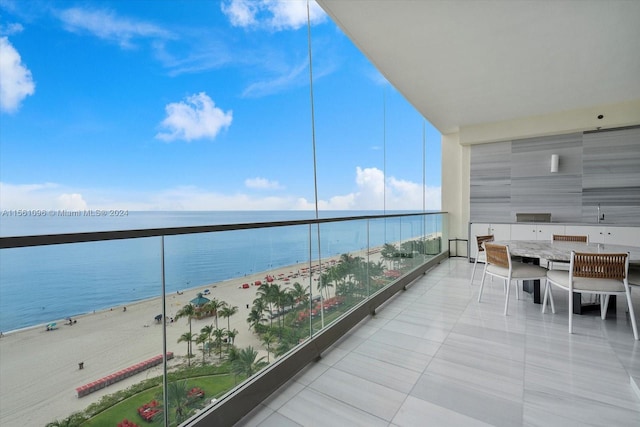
[[534, 251]]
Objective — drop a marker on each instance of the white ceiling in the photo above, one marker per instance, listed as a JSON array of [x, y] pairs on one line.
[[462, 63]]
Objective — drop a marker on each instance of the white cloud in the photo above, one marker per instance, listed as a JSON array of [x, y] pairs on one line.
[[294, 77], [45, 196], [107, 26], [369, 194], [72, 201], [11, 28], [293, 14], [272, 14], [195, 118], [16, 82], [261, 184], [241, 13]]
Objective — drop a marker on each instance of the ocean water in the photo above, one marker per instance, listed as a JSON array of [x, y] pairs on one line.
[[43, 284]]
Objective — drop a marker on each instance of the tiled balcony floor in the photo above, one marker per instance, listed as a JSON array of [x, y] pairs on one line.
[[434, 356]]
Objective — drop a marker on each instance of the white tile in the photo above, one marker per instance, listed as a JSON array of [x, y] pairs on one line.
[[379, 372], [417, 412], [406, 342], [312, 408], [579, 409], [392, 355], [283, 395], [507, 385], [367, 396], [457, 396], [278, 420], [477, 365]]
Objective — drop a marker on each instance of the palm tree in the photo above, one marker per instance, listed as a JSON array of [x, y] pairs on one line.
[[218, 334], [208, 329], [265, 295], [202, 339], [228, 311], [324, 282], [178, 399], [231, 337], [267, 340], [214, 306], [261, 306], [255, 318], [286, 300], [245, 362], [300, 294], [376, 269], [187, 311], [391, 254], [188, 338]]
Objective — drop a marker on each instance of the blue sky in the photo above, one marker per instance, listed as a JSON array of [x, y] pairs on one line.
[[199, 105]]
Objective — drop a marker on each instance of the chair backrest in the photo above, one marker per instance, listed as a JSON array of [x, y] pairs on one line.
[[482, 239], [600, 266], [564, 238], [497, 255]]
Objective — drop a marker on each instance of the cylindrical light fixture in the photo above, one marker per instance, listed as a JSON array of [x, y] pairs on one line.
[[554, 163]]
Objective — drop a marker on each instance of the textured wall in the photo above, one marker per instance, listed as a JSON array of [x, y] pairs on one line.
[[599, 167]]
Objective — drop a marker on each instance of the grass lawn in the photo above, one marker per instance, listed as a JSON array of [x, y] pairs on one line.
[[213, 386]]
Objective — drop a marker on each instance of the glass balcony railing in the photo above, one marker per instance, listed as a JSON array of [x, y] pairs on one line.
[[189, 325]]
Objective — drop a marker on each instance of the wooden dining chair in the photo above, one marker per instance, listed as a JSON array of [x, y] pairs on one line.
[[565, 238], [481, 256], [600, 274], [499, 264]]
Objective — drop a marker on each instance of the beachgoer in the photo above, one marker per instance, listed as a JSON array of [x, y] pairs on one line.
[[124, 308]]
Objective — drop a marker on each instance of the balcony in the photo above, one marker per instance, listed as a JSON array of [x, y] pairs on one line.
[[434, 356], [107, 305]]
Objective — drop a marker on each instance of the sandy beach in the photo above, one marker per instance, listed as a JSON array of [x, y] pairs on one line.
[[39, 371]]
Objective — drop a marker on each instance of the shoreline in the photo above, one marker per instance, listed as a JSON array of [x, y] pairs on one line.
[[198, 288], [40, 369]]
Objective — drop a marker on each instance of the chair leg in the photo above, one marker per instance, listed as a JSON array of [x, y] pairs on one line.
[[506, 300], [553, 306], [546, 296], [604, 305], [484, 274], [473, 273], [517, 290], [631, 313], [571, 311]]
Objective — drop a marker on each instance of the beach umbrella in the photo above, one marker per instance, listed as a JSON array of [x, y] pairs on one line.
[[199, 300]]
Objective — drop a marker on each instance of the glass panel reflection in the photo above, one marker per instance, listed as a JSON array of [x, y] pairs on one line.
[[84, 323]]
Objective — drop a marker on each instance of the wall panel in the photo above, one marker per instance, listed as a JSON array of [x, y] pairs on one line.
[[595, 168], [490, 180]]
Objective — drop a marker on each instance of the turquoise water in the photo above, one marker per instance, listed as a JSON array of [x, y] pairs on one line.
[[43, 284]]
